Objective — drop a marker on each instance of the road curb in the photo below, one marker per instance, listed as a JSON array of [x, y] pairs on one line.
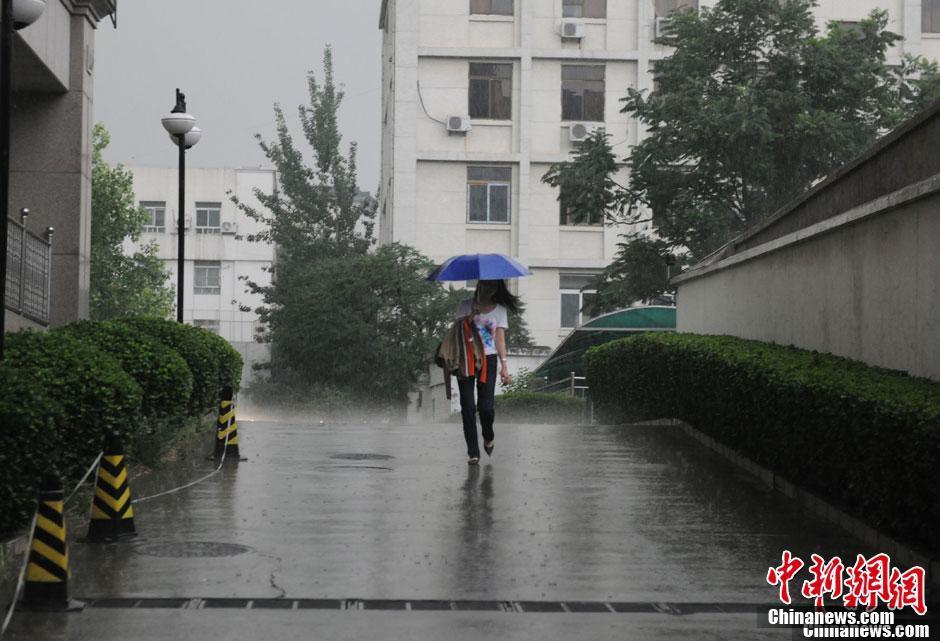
[[902, 554]]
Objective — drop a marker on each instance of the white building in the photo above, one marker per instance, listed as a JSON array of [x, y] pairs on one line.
[[219, 256], [524, 76]]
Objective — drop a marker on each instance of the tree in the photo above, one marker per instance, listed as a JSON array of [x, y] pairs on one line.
[[751, 109], [339, 312], [367, 323], [314, 212], [121, 285]]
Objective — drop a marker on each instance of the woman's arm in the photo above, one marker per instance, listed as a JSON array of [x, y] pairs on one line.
[[501, 351]]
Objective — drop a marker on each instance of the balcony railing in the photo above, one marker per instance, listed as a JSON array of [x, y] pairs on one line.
[[29, 271]]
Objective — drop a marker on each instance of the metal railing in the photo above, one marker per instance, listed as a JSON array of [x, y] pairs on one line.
[[575, 386], [29, 271]]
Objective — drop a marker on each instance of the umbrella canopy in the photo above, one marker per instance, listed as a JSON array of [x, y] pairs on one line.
[[479, 267]]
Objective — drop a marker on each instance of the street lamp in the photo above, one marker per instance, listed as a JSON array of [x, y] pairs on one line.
[[14, 14], [183, 131]]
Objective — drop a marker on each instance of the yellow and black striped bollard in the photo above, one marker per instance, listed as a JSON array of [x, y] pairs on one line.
[[47, 572], [112, 515], [227, 427]]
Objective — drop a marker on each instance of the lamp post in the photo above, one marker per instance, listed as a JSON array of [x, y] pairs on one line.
[[14, 15], [183, 131]]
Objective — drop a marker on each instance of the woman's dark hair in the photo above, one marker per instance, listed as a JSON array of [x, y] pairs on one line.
[[502, 296]]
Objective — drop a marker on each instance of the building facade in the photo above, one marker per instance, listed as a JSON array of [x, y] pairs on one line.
[[53, 70], [480, 97], [219, 256]]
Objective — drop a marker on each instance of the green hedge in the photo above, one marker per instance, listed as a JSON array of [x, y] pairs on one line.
[[94, 393], [538, 407], [197, 350], [164, 377], [230, 361], [29, 440], [61, 390], [864, 438]]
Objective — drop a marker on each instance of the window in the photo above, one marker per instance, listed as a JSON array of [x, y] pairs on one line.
[[208, 218], [570, 216], [491, 91], [665, 7], [582, 92], [574, 298], [584, 8], [156, 216], [206, 275], [211, 325], [853, 26], [491, 7], [488, 194], [930, 22]]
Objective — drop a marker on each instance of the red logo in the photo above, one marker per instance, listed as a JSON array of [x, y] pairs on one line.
[[867, 583]]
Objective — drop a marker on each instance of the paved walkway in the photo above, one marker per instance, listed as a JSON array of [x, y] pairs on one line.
[[635, 521]]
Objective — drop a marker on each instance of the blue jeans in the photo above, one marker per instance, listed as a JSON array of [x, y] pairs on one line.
[[485, 404]]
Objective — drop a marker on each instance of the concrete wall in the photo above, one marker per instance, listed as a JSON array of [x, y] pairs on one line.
[[50, 152], [862, 283]]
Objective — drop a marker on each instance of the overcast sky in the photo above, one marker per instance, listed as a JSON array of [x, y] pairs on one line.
[[233, 59]]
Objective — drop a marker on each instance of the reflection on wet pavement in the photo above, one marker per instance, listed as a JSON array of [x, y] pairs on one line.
[[560, 513]]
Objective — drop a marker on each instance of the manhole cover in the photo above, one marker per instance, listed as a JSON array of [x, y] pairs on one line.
[[192, 549], [362, 457]]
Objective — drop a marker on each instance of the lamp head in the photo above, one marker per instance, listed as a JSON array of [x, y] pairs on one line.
[[190, 138], [26, 12]]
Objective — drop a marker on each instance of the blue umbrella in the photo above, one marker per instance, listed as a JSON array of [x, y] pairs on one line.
[[479, 267]]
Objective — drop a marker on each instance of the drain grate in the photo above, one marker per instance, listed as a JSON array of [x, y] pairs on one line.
[[320, 604], [192, 549], [381, 468], [237, 604], [358, 456], [431, 605]]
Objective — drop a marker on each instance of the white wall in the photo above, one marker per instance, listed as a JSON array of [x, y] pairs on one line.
[[240, 258], [431, 43]]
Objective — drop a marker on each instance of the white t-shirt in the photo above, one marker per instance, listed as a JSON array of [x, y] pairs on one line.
[[486, 323]]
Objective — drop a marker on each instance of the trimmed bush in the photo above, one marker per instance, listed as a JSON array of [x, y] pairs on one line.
[[198, 353], [162, 374], [94, 393], [538, 407], [863, 437], [230, 361], [29, 442]]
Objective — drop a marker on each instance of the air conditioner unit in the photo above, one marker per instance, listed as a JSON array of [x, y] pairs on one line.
[[458, 124], [229, 228], [572, 29], [187, 223], [660, 28], [579, 131]]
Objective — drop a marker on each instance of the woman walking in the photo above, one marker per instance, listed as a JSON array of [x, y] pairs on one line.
[[489, 309]]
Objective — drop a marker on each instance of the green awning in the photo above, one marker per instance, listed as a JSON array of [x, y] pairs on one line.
[[567, 357]]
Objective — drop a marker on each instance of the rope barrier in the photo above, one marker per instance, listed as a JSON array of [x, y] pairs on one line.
[[91, 469], [19, 581], [188, 485], [29, 544], [94, 466], [32, 526]]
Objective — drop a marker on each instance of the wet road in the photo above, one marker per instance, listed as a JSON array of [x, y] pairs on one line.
[[637, 521]]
